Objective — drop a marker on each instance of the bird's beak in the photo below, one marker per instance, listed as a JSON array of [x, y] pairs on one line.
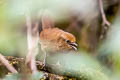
[[74, 46]]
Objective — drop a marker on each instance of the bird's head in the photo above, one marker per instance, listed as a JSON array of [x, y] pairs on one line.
[[68, 41]]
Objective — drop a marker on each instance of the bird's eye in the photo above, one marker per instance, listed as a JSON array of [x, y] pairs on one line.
[[68, 41]]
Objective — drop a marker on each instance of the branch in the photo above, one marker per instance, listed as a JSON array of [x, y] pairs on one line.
[[7, 65], [19, 64], [75, 66], [105, 22], [32, 39]]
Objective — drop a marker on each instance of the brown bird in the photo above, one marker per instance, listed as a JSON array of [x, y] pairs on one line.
[[54, 40]]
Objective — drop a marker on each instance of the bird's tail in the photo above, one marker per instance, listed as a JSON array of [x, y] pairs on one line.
[[47, 20]]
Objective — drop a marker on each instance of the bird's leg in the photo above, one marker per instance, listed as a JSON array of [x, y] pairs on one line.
[[45, 56]]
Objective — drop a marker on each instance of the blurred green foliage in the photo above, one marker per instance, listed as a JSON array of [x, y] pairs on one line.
[[12, 40]]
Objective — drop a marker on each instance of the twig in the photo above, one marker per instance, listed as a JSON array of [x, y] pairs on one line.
[[32, 38], [6, 63], [105, 22]]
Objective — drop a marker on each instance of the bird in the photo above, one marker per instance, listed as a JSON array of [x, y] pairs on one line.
[[54, 40]]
